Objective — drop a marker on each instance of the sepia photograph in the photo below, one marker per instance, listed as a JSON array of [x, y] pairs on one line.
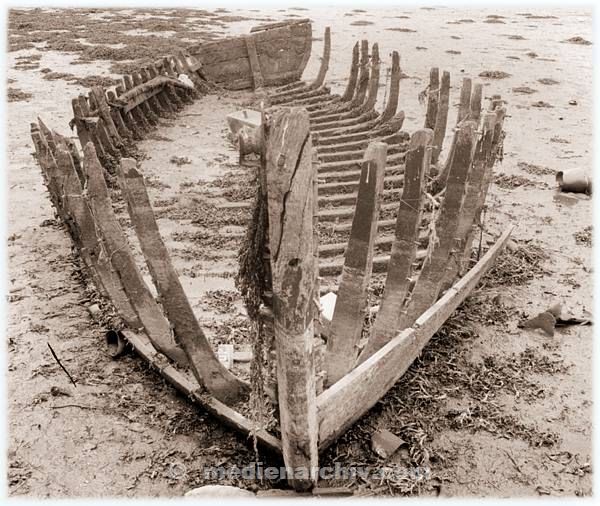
[[323, 251]]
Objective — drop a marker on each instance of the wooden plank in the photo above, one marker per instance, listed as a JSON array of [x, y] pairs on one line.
[[432, 274], [441, 119], [433, 95], [290, 175], [257, 78], [404, 247], [348, 317], [206, 367], [351, 397], [117, 249], [191, 390]]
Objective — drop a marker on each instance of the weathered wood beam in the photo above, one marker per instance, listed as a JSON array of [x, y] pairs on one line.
[[441, 119], [433, 96], [353, 78], [324, 67], [392, 104], [348, 317], [404, 248], [205, 365], [432, 274], [350, 398], [290, 174]]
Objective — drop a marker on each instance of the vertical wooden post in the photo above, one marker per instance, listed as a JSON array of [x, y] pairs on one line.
[[349, 313], [404, 247], [290, 175], [363, 75], [433, 96], [257, 78], [476, 102], [441, 119], [373, 87]]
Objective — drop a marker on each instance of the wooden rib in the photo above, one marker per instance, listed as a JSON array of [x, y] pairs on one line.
[[392, 104], [117, 249], [290, 195], [432, 274], [348, 317], [433, 96], [352, 80], [404, 248], [140, 117], [475, 106], [144, 106], [350, 398], [474, 188], [373, 87], [83, 131], [190, 389], [324, 67], [104, 112], [91, 125], [175, 94], [118, 118], [363, 76], [441, 118], [163, 97], [464, 106], [91, 248], [206, 367], [129, 118], [153, 101]]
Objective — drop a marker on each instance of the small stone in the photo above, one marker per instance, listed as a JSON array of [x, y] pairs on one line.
[[385, 444], [218, 491]]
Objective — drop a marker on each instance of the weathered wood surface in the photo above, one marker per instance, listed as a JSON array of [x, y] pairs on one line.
[[433, 97], [442, 245], [206, 367], [373, 87], [464, 106], [441, 118], [349, 314], [350, 398], [351, 85], [290, 175], [282, 51], [117, 249], [324, 67], [404, 247], [190, 389]]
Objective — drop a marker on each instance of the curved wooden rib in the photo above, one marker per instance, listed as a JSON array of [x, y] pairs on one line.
[[441, 118], [392, 104], [350, 398], [404, 248], [352, 80], [432, 274], [373, 87], [433, 95], [205, 365], [324, 67]]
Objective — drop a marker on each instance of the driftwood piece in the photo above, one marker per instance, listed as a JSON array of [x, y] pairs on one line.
[[348, 317], [441, 118], [432, 274], [117, 249], [351, 397], [204, 364], [404, 247], [290, 175]]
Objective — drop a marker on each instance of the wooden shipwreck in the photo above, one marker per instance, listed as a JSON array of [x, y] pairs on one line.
[[329, 163]]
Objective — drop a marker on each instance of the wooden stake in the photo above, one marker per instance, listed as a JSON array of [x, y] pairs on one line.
[[349, 314], [392, 103], [324, 67], [363, 75], [404, 247], [291, 204], [464, 106], [351, 86], [476, 95], [373, 88]]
